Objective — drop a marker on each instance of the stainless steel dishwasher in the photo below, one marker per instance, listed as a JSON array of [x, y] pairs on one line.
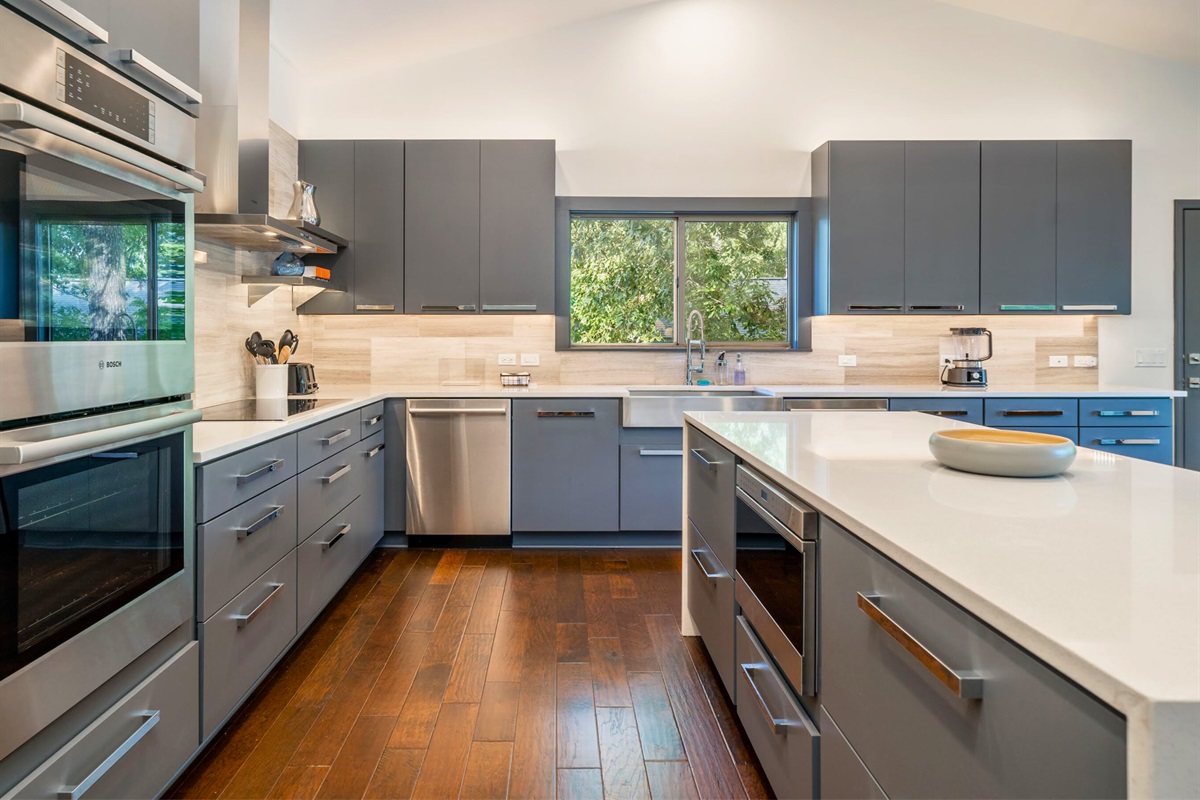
[[458, 467], [836, 404]]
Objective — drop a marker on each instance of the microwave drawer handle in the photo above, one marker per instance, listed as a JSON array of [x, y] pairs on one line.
[[147, 66], [337, 537], [266, 469], [335, 438], [259, 524], [28, 452], [337, 474], [779, 725], [712, 576], [967, 685], [711, 466], [1032, 412], [81, 141], [245, 619], [149, 720]]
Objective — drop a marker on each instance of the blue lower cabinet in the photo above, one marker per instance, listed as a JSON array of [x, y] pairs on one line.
[[1149, 444], [959, 409], [1154, 412]]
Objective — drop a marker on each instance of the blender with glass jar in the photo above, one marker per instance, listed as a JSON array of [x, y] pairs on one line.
[[972, 346]]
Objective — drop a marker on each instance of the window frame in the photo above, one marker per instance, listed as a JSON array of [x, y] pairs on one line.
[[795, 210]]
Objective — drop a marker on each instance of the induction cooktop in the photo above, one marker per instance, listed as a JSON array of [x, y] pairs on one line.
[[274, 409]]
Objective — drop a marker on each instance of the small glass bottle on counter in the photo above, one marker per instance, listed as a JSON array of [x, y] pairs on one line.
[[739, 372]]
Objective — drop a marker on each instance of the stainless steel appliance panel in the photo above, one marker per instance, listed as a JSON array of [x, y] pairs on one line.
[[458, 461], [836, 404]]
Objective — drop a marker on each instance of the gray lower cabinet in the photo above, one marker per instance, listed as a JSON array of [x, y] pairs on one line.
[[1094, 226], [372, 419], [326, 560], [784, 737], [1017, 230], [858, 207], [328, 488], [242, 640], [711, 604], [328, 164], [565, 469], [711, 507], [1009, 726], [651, 486], [516, 226], [161, 718], [378, 233], [441, 226], [372, 454], [941, 227], [322, 440], [230, 481], [395, 469], [843, 774]]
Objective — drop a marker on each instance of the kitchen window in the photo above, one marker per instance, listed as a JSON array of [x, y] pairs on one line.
[[633, 276]]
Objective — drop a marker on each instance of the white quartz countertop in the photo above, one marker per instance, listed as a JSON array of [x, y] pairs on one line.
[[213, 440], [1096, 571]]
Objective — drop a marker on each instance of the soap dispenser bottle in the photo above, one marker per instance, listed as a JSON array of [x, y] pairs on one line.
[[739, 372]]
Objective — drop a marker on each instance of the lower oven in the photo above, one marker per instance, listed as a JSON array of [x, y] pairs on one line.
[[96, 543]]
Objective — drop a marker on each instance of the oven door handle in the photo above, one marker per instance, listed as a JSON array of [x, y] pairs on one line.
[[769, 518], [79, 145], [28, 452]]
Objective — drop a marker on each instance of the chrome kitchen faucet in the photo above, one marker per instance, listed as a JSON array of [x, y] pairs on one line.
[[691, 370]]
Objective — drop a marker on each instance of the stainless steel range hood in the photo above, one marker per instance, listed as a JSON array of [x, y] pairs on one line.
[[233, 141]]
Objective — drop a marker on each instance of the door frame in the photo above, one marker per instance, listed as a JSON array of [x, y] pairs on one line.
[[1180, 380]]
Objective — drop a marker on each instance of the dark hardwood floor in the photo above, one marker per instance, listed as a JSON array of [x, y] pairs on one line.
[[490, 673]]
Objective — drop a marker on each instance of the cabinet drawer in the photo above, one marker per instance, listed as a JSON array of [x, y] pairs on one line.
[[240, 545], [1031, 412], [843, 775], [965, 409], [151, 733], [784, 738], [327, 488], [371, 419], [712, 472], [231, 481], [373, 456], [1148, 444], [326, 560], [1027, 733], [241, 640], [322, 440], [1151, 413], [710, 602], [651, 487]]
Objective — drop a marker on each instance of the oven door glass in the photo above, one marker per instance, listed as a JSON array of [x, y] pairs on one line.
[[81, 539], [85, 256]]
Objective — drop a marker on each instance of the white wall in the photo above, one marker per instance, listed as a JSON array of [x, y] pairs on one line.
[[728, 97]]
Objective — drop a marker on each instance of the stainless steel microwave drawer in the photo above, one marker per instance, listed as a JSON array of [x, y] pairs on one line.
[[230, 481], [240, 545], [326, 438], [371, 419], [326, 560], [245, 637], [711, 604], [327, 488], [712, 472], [990, 721], [144, 739]]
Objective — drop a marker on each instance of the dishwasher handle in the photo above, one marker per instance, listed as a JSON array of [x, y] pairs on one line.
[[457, 412]]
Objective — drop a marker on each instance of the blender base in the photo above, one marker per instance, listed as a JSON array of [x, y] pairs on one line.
[[969, 377]]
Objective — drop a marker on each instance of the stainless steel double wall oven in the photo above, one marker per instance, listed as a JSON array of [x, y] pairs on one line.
[[96, 376]]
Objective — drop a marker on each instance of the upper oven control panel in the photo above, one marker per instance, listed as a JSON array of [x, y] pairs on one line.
[[81, 86]]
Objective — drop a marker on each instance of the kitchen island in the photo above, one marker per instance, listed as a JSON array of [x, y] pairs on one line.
[[1094, 574]]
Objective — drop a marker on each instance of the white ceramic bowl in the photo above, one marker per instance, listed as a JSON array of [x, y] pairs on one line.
[[1014, 454]]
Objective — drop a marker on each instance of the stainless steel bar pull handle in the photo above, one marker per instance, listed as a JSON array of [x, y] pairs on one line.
[[708, 573], [779, 725], [868, 307], [140, 61], [116, 456], [1090, 307], [1032, 412], [452, 412], [460, 307], [374, 451], [1129, 441], [375, 307], [373, 421], [337, 437], [245, 619], [337, 537], [509, 307], [95, 32], [259, 524], [581, 414], [699, 456], [955, 412], [1137, 412], [967, 685], [953, 307], [1027, 307], [648, 452], [249, 477], [149, 720], [337, 474]]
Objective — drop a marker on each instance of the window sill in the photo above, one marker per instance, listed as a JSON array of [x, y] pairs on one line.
[[737, 347]]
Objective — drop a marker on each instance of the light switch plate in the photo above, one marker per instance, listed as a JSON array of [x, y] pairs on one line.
[[1150, 357], [847, 361], [1058, 361], [530, 359], [1085, 361], [507, 359]]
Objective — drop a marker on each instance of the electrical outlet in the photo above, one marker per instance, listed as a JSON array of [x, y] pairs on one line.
[[1150, 357], [847, 361], [1058, 361], [507, 359], [1085, 361], [530, 359]]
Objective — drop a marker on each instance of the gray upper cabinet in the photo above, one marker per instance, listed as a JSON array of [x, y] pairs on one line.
[[329, 165], [1017, 234], [165, 31], [1094, 226], [441, 223], [941, 227], [858, 203], [516, 226], [378, 226]]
